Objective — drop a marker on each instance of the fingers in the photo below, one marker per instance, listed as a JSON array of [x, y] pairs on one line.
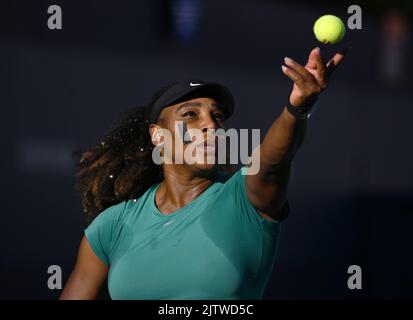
[[339, 56], [321, 66], [336, 60], [330, 67], [297, 68], [294, 76], [315, 60]]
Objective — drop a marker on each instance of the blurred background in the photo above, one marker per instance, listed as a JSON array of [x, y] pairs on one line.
[[351, 189]]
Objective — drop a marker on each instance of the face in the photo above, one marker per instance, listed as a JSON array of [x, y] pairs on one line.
[[201, 116]]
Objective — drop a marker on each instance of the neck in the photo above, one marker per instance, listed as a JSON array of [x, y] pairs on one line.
[[180, 187]]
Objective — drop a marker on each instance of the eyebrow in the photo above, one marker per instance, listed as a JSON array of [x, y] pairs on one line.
[[196, 104]]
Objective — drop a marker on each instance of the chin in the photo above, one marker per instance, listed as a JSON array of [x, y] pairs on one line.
[[205, 167]]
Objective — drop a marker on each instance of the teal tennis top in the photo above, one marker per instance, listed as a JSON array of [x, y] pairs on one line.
[[215, 247]]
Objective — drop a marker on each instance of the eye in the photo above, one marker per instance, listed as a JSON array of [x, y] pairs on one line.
[[189, 113], [219, 116]]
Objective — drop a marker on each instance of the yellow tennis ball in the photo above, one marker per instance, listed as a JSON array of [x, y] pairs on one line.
[[329, 29]]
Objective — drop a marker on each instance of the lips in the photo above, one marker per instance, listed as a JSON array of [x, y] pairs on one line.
[[210, 142]]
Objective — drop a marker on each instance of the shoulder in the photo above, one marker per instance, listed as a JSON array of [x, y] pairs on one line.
[[223, 176], [231, 178], [109, 215], [138, 203], [234, 187]]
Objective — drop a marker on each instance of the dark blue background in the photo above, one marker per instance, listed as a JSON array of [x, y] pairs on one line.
[[351, 187]]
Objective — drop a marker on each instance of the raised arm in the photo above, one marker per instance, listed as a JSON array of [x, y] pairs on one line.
[[87, 277], [267, 189]]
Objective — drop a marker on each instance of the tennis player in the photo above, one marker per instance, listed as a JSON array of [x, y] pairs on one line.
[[188, 231]]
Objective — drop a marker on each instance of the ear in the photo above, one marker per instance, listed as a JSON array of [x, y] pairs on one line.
[[155, 134]]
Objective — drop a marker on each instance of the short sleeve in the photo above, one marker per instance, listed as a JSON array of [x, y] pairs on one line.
[[236, 186], [101, 233]]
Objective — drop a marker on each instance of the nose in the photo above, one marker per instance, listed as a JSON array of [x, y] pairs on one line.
[[208, 124]]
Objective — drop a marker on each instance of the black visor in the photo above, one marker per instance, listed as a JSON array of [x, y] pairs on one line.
[[191, 89]]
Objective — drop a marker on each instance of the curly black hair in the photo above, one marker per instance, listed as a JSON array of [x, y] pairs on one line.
[[119, 167]]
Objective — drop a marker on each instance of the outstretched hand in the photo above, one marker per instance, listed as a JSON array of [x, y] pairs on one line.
[[312, 79]]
